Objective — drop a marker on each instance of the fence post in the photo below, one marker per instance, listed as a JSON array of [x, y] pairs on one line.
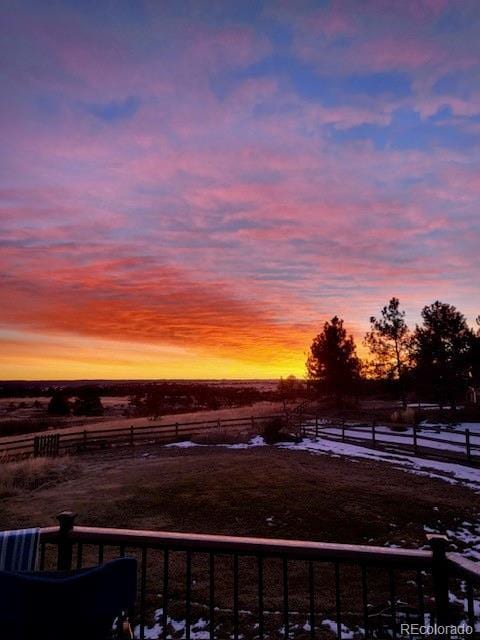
[[438, 544], [374, 442], [219, 424], [467, 446], [85, 436], [176, 429], [253, 423], [132, 436], [36, 446], [66, 520], [415, 444], [343, 429], [316, 427]]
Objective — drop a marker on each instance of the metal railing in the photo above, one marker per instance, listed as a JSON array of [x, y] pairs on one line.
[[461, 445], [257, 588]]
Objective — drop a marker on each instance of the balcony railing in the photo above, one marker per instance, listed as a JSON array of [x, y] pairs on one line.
[[209, 586]]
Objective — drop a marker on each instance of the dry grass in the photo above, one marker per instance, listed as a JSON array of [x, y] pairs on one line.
[[35, 473]]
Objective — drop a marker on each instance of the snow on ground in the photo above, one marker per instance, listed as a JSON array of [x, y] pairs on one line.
[[200, 629], [450, 472], [468, 534], [429, 435], [256, 441]]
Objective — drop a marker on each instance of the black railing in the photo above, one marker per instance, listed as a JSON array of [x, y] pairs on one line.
[[442, 443], [256, 588]]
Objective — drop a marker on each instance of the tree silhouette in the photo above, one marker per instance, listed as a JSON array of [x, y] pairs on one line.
[[389, 343], [88, 403], [333, 363], [475, 356], [154, 403], [59, 404], [290, 388], [442, 352]]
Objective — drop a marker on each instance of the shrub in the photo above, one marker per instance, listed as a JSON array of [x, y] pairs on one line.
[[272, 430], [59, 405], [88, 403]]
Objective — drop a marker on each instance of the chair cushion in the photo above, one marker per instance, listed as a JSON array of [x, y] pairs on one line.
[[78, 605]]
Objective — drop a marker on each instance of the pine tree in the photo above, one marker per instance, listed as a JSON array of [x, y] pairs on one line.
[[389, 343], [442, 352], [333, 363]]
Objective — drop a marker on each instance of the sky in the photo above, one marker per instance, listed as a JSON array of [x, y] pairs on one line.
[[190, 189]]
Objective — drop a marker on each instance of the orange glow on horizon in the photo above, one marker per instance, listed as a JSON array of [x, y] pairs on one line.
[[28, 356]]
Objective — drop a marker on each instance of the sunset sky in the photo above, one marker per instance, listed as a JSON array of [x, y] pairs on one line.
[[190, 188]]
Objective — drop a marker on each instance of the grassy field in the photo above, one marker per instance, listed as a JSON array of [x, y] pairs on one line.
[[29, 426], [265, 492]]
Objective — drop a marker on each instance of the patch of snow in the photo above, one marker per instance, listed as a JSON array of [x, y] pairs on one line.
[[428, 435], [448, 471], [256, 441], [185, 444], [346, 633]]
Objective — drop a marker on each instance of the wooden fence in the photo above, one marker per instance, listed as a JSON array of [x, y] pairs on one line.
[[424, 441], [73, 442], [429, 441]]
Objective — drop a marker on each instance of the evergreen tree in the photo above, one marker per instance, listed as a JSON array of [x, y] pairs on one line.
[[59, 404], [442, 353], [333, 363], [88, 403], [389, 343]]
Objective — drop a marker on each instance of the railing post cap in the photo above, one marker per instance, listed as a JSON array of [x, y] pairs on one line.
[[66, 520], [437, 536], [437, 541]]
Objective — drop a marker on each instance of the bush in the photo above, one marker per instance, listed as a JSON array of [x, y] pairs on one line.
[[59, 405], [88, 403], [272, 431], [405, 416]]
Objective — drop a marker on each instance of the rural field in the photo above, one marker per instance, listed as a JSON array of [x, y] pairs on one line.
[[105, 422]]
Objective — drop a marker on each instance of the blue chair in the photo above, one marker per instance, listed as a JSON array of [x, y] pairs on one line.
[[66, 605]]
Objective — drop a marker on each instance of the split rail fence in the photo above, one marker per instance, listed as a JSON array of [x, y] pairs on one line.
[[87, 440], [450, 444]]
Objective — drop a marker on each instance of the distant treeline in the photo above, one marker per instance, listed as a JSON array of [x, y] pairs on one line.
[[154, 399], [33, 389]]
